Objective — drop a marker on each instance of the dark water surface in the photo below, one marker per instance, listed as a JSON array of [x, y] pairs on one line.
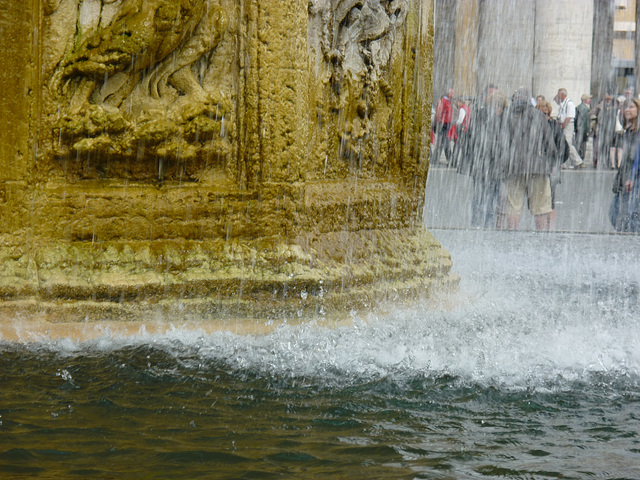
[[535, 374]]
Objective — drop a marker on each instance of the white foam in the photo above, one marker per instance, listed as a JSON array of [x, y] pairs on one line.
[[528, 314]]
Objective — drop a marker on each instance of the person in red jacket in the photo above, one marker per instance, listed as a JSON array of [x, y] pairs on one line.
[[458, 130], [443, 119]]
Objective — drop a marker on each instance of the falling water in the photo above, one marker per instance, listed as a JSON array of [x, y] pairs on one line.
[[531, 370], [533, 373]]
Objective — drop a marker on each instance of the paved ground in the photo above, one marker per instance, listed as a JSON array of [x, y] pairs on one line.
[[582, 199]]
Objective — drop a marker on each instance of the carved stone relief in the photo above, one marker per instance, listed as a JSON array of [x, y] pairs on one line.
[[356, 40], [144, 84], [149, 88]]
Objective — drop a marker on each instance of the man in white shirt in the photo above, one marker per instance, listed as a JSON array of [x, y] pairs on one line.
[[566, 119]]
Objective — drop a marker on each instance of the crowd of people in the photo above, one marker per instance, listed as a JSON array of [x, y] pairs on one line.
[[514, 152]]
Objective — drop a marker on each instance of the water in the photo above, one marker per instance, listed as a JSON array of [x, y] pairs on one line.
[[533, 374]]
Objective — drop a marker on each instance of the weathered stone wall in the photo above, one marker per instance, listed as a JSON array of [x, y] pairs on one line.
[[243, 155]]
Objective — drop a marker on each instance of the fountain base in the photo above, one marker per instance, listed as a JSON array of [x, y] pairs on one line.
[[71, 282], [244, 161]]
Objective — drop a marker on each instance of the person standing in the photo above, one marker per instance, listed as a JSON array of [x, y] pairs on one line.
[[566, 119], [583, 124], [464, 117], [443, 119], [620, 209], [605, 114], [480, 152], [530, 148], [561, 156], [616, 152], [458, 131]]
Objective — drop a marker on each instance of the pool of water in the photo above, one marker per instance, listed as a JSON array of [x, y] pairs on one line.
[[534, 373]]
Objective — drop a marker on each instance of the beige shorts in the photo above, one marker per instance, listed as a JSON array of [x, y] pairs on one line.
[[537, 189]]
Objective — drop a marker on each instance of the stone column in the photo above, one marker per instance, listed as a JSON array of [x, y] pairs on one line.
[[466, 64], [563, 40], [251, 158], [444, 46], [601, 70], [505, 47]]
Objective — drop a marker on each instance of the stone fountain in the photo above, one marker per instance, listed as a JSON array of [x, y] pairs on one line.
[[214, 158]]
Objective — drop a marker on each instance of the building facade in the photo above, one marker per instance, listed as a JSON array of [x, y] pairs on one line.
[[585, 46]]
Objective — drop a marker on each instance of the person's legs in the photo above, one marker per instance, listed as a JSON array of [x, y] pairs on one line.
[[436, 146], [501, 205], [619, 158], [442, 143], [543, 222], [614, 212], [447, 148], [604, 147], [437, 151], [633, 208], [539, 191], [581, 144], [616, 152], [492, 199], [573, 153], [552, 220], [477, 201], [516, 187], [455, 153], [552, 215], [623, 222]]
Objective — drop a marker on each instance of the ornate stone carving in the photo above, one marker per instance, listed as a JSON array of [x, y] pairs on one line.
[[356, 39], [135, 81], [307, 123]]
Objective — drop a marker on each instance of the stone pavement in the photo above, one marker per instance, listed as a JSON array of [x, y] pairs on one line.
[[582, 199]]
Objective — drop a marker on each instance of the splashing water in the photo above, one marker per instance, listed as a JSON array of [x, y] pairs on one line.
[[535, 373]]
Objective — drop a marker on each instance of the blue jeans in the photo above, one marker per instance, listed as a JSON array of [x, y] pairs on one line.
[[484, 203], [624, 212]]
